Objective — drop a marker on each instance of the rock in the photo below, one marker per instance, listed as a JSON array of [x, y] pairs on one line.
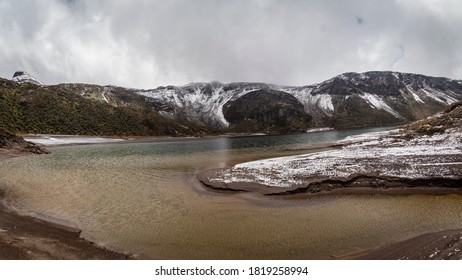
[[11, 141], [268, 111]]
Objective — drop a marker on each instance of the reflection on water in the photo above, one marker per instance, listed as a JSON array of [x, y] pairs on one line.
[[142, 198]]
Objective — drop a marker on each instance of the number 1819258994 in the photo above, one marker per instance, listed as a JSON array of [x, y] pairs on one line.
[[275, 270]]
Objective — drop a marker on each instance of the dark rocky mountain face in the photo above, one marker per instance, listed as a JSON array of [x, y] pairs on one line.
[[266, 110]]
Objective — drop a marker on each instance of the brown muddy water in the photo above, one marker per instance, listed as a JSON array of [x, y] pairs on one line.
[[143, 198]]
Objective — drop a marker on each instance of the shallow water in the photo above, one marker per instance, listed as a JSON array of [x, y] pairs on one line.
[[142, 198]]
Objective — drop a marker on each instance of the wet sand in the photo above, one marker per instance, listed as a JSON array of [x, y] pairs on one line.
[[28, 238], [446, 244], [23, 237], [443, 245]]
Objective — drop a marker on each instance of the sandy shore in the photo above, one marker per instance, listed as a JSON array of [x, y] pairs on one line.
[[24, 237], [446, 244], [443, 245]]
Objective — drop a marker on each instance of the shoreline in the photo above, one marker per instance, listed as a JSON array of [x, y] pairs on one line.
[[444, 244], [440, 245], [389, 185], [24, 237], [13, 244]]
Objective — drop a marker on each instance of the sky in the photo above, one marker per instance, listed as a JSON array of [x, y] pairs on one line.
[[146, 43]]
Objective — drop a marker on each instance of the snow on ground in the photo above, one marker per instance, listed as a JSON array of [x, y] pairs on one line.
[[321, 101], [414, 94], [324, 101], [439, 96], [66, 140], [103, 94], [376, 102], [197, 102], [319, 129], [439, 155]]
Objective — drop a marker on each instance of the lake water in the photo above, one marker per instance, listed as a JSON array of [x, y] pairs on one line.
[[143, 198]]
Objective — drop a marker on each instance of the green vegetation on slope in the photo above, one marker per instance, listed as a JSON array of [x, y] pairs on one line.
[[27, 108]]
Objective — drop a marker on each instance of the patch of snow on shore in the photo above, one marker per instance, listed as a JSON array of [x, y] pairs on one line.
[[67, 140], [416, 159], [320, 129]]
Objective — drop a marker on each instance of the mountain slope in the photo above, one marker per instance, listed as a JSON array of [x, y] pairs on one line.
[[277, 111], [348, 100], [61, 109]]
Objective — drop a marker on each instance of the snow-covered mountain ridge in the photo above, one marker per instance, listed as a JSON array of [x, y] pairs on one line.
[[377, 98], [350, 99]]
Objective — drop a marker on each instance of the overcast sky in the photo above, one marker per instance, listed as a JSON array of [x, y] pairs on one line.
[[145, 44]]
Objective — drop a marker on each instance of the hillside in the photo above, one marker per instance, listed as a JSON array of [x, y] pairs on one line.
[[63, 109], [345, 101]]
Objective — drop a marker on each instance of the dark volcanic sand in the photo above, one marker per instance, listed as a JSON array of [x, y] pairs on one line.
[[443, 245], [23, 237]]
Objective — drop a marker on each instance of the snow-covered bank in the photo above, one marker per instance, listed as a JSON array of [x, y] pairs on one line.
[[426, 157], [48, 140], [410, 154], [319, 129]]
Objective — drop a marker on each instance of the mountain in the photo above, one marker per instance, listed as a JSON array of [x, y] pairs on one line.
[[22, 77], [348, 100], [85, 110]]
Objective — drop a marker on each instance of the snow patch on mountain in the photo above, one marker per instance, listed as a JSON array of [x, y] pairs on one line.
[[376, 102], [22, 77], [324, 101], [438, 96], [414, 95], [103, 94], [309, 100], [196, 101], [203, 103]]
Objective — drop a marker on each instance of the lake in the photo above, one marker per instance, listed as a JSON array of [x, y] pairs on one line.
[[143, 198]]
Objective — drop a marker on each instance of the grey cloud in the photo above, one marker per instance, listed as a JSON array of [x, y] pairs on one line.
[[150, 43]]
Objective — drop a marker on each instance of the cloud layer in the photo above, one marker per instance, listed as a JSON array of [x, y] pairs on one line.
[[145, 44]]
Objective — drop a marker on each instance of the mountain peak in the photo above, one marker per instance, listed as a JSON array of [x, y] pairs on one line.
[[22, 77]]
